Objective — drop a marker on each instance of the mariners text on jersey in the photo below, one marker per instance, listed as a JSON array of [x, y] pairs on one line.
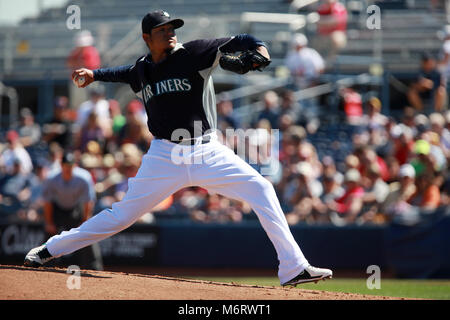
[[179, 91], [164, 86]]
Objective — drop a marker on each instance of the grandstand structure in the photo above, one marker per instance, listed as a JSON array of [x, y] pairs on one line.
[[33, 53]]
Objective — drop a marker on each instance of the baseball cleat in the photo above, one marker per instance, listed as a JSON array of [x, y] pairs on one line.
[[310, 274], [36, 257]]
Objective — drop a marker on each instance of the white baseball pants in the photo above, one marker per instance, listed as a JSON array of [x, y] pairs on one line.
[[168, 167]]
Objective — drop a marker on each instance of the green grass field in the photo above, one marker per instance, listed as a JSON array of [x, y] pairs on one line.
[[425, 289]]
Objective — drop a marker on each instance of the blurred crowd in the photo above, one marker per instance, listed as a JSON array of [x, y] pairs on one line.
[[363, 168], [395, 169], [368, 169]]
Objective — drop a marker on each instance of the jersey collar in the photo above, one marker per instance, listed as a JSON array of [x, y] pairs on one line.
[[178, 46]]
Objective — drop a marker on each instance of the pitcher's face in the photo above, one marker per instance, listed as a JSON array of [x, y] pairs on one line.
[[162, 38]]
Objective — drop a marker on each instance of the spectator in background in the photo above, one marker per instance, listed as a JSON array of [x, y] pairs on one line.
[[69, 201], [216, 208], [117, 118], [91, 131], [407, 119], [285, 121], [29, 131], [59, 128], [294, 149], [402, 143], [437, 126], [396, 202], [352, 162], [137, 107], [262, 155], [34, 211], [107, 188], [13, 152], [352, 106], [290, 142], [15, 191], [225, 117], [92, 160], [373, 118], [83, 55], [98, 104], [436, 155], [135, 130], [330, 170], [345, 209], [130, 162], [393, 167], [55, 156], [303, 194], [428, 92], [427, 196], [290, 106], [191, 201], [332, 189], [117, 121], [128, 169], [367, 157], [375, 193], [422, 161], [271, 108], [305, 64], [331, 28], [378, 139]]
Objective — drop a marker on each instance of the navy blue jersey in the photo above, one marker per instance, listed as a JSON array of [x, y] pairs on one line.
[[178, 92]]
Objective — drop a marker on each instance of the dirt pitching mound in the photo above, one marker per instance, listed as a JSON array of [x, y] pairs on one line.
[[21, 283]]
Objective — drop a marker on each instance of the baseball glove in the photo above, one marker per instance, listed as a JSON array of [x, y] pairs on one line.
[[244, 62]]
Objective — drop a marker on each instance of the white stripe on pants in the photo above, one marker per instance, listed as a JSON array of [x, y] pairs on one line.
[[212, 166]]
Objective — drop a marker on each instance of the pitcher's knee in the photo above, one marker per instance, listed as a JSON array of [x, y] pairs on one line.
[[263, 185]]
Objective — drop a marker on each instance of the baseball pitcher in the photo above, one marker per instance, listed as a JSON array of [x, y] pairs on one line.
[[177, 89]]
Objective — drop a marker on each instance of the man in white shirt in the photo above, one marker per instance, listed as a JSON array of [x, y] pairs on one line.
[[304, 63], [14, 151], [98, 104]]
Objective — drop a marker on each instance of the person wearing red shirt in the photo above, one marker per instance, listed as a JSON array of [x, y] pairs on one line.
[[332, 27], [333, 16], [427, 196], [83, 55], [367, 157], [346, 208], [403, 143]]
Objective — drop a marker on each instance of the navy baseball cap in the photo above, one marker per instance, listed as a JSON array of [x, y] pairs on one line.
[[68, 158], [158, 18]]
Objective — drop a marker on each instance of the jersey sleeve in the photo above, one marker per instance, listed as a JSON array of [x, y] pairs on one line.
[[242, 42], [204, 52], [125, 74]]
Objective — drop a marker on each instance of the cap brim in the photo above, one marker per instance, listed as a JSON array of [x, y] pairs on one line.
[[177, 23]]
